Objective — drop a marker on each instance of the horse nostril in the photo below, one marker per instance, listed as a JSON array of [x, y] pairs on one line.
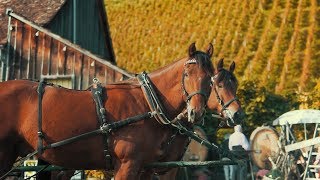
[[191, 115]]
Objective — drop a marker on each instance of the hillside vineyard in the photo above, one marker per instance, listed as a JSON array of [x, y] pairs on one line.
[[275, 43]]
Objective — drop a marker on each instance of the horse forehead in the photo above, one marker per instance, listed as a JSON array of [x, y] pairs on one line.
[[225, 77], [198, 67], [230, 84], [191, 61]]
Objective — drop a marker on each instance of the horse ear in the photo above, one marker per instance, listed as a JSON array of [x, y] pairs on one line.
[[220, 64], [210, 50], [232, 66], [192, 49]]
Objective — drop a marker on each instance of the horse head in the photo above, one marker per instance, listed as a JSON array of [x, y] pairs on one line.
[[223, 96], [196, 81]]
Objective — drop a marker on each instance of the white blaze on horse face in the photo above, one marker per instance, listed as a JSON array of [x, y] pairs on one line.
[[229, 114], [196, 96], [191, 114]]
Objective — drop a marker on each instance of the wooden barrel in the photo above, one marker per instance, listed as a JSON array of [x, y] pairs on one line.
[[264, 143]]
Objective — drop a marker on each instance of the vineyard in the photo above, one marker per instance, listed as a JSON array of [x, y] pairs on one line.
[[275, 43]]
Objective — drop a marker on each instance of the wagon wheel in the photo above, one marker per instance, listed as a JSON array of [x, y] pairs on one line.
[[264, 143]]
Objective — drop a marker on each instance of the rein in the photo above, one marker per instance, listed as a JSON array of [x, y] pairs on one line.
[[192, 135]]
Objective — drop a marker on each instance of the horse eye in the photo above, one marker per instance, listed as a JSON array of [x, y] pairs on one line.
[[220, 86]]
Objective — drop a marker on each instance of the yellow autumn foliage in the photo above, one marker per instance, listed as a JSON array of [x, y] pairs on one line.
[[275, 43]]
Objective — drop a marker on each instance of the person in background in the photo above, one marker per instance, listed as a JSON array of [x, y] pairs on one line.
[[229, 173], [238, 142]]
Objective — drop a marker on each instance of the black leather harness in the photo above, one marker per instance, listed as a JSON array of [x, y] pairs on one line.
[[40, 91], [98, 91]]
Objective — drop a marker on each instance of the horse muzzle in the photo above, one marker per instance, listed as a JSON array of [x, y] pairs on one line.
[[194, 115], [235, 118]]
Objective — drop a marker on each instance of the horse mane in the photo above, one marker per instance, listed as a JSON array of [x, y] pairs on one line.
[[202, 58], [228, 78], [204, 61]]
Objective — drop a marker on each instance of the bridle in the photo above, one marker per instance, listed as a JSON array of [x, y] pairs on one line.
[[190, 95], [224, 105]]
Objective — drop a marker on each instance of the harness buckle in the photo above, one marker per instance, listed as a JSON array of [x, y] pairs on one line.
[[95, 80], [105, 128], [103, 111], [40, 134]]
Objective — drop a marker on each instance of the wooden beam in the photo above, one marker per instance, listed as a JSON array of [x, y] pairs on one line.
[[302, 144], [173, 164]]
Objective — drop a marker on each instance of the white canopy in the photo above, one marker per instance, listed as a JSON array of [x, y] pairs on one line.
[[298, 117]]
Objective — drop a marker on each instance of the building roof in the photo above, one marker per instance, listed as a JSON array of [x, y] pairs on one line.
[[37, 11]]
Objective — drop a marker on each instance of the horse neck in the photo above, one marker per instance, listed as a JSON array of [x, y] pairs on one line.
[[167, 82]]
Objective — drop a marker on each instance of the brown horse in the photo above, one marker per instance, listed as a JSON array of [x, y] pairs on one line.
[[67, 113], [224, 87], [223, 100]]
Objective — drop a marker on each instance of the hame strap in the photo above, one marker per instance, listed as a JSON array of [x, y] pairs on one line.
[[40, 91]]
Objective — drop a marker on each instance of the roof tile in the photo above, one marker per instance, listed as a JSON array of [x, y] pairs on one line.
[[37, 11]]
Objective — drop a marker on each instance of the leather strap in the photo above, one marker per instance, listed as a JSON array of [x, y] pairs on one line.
[[152, 98], [97, 92], [40, 91]]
